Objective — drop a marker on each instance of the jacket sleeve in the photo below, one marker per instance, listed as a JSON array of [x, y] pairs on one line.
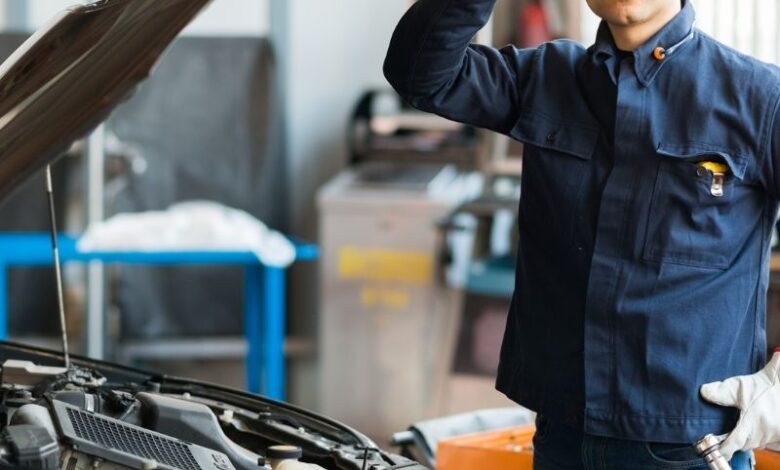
[[433, 65]]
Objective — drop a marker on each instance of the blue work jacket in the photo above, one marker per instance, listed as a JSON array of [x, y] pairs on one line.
[[643, 255]]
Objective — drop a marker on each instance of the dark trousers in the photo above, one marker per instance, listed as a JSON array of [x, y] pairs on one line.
[[559, 447]]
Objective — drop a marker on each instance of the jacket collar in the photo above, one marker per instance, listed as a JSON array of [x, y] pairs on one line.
[[671, 38]]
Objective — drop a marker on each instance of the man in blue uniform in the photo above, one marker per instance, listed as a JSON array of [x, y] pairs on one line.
[[651, 183]]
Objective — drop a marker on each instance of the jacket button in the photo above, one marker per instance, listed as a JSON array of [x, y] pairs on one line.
[[659, 53], [552, 136]]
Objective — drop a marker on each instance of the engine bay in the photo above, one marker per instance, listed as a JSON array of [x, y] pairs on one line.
[[77, 419]]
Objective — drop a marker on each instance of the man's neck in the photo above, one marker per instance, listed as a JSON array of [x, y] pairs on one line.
[[630, 37]]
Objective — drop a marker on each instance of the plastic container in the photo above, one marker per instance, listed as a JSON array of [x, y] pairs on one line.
[[506, 449], [767, 460]]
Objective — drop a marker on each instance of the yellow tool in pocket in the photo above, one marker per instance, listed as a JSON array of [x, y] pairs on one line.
[[719, 171]]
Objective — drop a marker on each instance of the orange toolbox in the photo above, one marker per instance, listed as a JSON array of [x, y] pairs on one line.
[[766, 460], [512, 449], [495, 450]]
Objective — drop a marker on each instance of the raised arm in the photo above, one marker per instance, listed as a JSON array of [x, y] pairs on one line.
[[433, 66]]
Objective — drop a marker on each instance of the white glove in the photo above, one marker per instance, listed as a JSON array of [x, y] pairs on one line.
[[758, 398]]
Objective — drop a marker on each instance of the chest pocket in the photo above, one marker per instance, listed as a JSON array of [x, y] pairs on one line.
[[557, 162], [698, 218]]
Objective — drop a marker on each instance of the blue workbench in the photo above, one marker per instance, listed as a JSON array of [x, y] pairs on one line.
[[264, 293]]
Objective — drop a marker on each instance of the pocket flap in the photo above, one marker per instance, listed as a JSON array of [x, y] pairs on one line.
[[543, 131], [737, 162]]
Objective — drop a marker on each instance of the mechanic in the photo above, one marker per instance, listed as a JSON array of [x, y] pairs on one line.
[[651, 179]]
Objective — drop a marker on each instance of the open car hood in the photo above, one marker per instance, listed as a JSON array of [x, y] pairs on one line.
[[65, 80]]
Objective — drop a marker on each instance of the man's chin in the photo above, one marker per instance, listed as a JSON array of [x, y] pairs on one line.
[[625, 20]]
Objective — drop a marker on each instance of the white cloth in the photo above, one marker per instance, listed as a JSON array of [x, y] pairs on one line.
[[758, 398], [190, 226]]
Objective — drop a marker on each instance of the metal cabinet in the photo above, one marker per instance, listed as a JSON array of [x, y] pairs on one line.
[[387, 324]]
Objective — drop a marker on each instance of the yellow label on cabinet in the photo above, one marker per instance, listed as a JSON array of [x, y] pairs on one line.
[[384, 297], [385, 265]]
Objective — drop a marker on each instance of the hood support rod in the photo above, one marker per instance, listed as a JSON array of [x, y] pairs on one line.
[[57, 267]]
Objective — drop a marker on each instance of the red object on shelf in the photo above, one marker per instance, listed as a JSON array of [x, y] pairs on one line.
[[533, 28]]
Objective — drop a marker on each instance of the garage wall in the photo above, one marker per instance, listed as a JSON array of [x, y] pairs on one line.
[[328, 53]]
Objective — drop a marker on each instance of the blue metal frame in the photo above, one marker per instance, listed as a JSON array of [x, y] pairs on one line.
[[264, 293]]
